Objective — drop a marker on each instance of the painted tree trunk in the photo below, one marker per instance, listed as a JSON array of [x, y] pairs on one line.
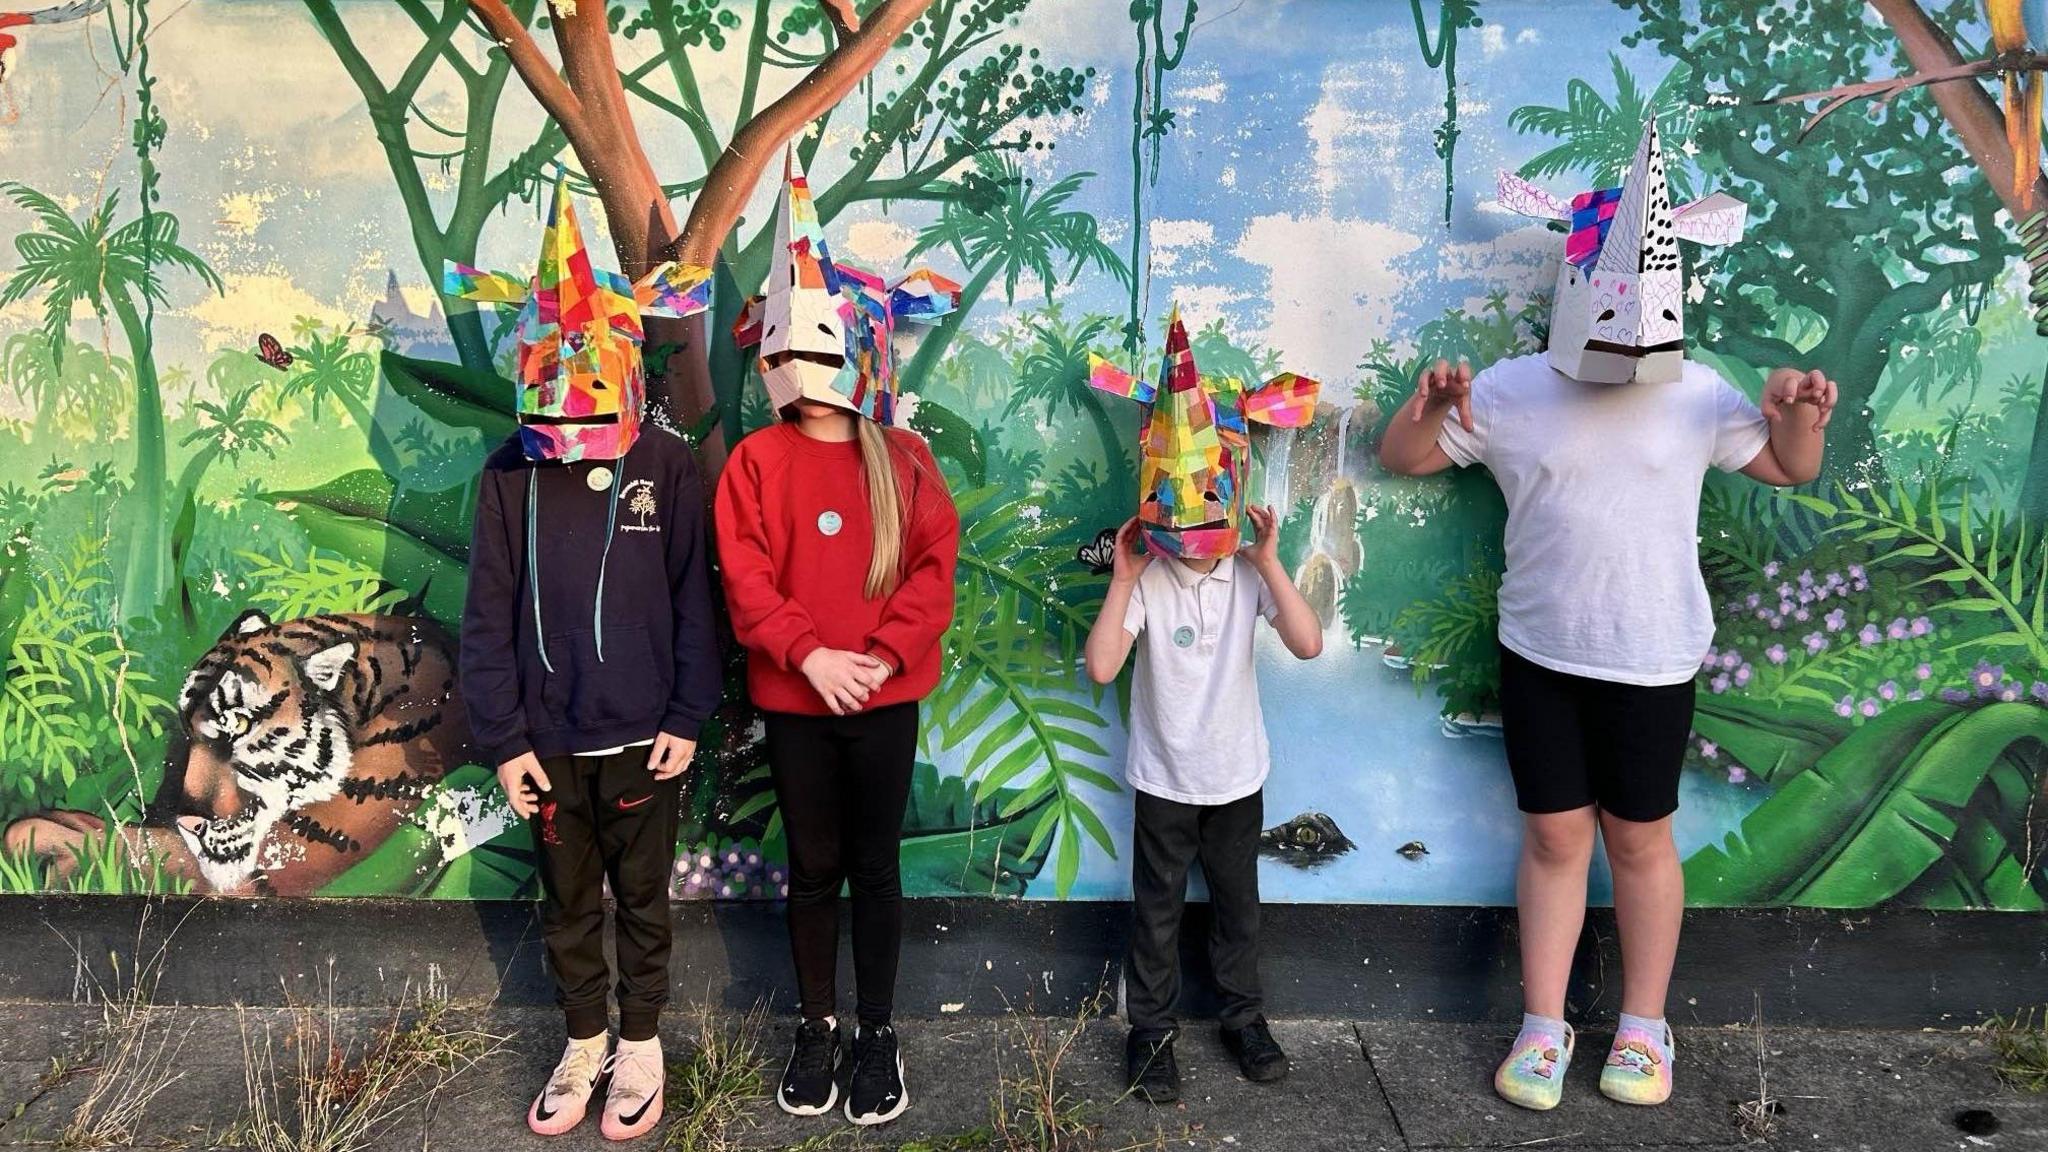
[[1980, 125], [146, 568]]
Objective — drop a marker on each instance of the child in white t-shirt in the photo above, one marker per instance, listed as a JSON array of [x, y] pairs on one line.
[[1604, 620]]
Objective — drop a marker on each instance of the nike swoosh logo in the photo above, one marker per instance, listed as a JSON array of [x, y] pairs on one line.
[[642, 1111], [626, 805]]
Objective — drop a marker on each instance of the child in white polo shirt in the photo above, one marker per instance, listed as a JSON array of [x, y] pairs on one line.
[[1197, 760]]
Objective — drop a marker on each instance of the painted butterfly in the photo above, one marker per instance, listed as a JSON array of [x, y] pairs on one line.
[[1099, 554], [272, 353]]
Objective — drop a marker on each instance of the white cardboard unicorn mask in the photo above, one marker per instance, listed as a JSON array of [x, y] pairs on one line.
[[1618, 315]]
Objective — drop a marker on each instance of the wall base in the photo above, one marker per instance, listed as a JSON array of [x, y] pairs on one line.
[[1872, 968]]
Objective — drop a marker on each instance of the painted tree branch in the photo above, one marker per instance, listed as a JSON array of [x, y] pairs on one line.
[[1969, 110], [861, 46]]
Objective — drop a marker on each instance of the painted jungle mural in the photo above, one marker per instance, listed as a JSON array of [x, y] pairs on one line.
[[239, 419]]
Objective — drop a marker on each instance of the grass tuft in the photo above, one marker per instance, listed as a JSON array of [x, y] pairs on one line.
[[2019, 1046], [710, 1089], [324, 1085], [1757, 1117], [131, 1058]]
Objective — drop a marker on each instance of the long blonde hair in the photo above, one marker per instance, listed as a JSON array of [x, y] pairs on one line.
[[885, 508]]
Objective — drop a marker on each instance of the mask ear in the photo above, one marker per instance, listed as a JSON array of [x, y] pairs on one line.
[[1716, 219], [1520, 196], [464, 282], [675, 290], [1107, 377], [1285, 401], [324, 668]]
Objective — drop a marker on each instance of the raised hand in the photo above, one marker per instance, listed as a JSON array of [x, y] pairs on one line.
[[523, 780], [1789, 386], [1132, 558], [1265, 551], [1441, 386]]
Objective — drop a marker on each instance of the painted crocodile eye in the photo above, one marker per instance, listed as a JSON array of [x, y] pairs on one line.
[[1607, 315], [825, 328], [1669, 315]]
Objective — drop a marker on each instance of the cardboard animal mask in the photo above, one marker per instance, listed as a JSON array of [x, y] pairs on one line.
[[826, 330], [578, 333], [1195, 448], [1619, 310]]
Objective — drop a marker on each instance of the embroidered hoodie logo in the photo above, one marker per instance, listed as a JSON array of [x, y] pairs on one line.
[[638, 500]]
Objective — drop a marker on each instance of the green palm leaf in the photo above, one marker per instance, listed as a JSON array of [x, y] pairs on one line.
[[1888, 809]]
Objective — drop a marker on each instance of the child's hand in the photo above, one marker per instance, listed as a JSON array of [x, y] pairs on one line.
[[1789, 386], [1265, 553], [836, 675], [1441, 386], [670, 755], [875, 674], [1132, 558], [523, 781]]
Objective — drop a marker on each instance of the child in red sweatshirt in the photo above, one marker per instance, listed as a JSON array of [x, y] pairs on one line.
[[838, 539]]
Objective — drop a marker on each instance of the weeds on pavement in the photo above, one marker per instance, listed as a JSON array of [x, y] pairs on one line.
[[710, 1089], [2019, 1046], [131, 1056], [1757, 1118]]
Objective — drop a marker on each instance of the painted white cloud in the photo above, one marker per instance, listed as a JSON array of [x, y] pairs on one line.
[[878, 241], [1181, 246], [1203, 304], [256, 302], [1331, 286]]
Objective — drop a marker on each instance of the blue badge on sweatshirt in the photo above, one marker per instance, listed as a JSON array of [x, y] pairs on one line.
[[1183, 636], [829, 522]]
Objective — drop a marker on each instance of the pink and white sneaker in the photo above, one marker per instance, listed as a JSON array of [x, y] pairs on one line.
[[632, 1105], [561, 1105]]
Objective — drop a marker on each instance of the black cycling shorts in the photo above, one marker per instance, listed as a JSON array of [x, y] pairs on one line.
[[1574, 741]]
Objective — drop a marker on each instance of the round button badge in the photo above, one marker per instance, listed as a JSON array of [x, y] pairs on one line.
[[829, 522], [600, 478], [1183, 636]]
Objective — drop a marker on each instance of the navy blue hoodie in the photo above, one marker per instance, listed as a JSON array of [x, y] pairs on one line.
[[629, 647]]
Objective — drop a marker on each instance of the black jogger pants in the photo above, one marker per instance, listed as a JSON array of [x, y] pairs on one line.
[[842, 782], [606, 818], [1167, 837]]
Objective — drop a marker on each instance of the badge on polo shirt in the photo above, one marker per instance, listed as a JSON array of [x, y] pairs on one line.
[[1183, 636], [829, 522]]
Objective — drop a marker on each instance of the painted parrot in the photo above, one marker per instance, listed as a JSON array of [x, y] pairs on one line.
[[2015, 24], [60, 14]]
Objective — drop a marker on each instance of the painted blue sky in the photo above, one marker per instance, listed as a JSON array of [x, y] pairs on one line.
[[1298, 199]]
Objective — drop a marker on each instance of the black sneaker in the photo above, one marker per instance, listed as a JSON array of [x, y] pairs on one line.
[[810, 1081], [876, 1094], [1151, 1071], [1258, 1056]]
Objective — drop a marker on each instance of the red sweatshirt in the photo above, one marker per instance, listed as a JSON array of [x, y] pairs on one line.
[[794, 540]]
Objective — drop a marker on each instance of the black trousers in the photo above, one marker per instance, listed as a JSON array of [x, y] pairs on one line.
[[842, 782], [1167, 837], [607, 819]]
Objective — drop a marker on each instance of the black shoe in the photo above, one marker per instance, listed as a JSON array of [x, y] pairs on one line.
[[1258, 1056], [810, 1081], [1151, 1071], [877, 1094]]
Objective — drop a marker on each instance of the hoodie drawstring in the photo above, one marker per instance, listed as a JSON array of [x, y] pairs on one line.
[[540, 641], [611, 520]]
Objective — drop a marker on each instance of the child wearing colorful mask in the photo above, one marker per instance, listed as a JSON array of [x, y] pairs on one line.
[[589, 659], [1600, 448], [837, 540], [1197, 757]]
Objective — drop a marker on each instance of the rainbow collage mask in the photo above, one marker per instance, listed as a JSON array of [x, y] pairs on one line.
[[581, 387], [1194, 452]]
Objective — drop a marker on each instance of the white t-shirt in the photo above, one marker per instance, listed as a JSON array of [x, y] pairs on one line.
[[1196, 732], [1603, 492]]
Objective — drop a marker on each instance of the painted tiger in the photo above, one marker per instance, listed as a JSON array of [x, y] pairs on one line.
[[301, 747]]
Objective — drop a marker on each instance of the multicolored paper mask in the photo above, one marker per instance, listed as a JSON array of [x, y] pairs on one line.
[[1619, 311], [826, 329], [1195, 449], [581, 385]]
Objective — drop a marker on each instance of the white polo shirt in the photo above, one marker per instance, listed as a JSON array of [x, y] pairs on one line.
[[1196, 732]]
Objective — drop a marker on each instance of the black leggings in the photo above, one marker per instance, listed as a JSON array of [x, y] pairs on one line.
[[842, 782]]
